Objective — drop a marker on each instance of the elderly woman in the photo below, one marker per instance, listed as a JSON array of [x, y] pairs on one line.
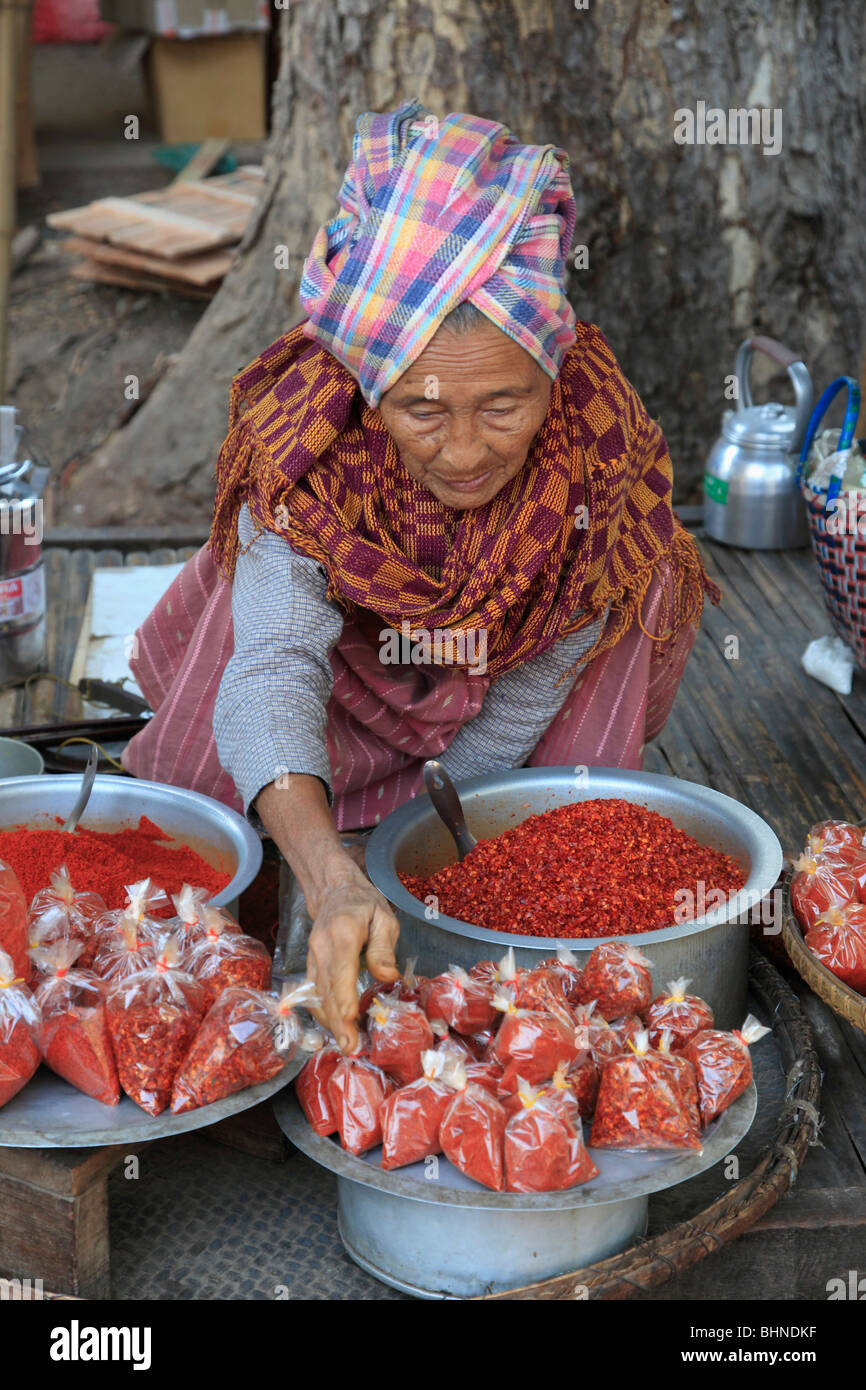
[[442, 525]]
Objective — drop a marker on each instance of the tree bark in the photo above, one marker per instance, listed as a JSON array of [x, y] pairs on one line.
[[690, 247]]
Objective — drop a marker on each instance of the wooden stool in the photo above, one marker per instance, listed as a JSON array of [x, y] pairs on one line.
[[54, 1217]]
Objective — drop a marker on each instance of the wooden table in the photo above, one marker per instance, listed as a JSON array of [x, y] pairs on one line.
[[747, 721]]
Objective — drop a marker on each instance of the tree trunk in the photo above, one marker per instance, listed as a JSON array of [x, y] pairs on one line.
[[689, 247]]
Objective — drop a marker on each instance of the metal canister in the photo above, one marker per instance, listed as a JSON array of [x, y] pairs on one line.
[[22, 587], [22, 572]]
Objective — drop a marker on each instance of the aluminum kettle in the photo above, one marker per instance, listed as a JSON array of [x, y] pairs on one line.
[[751, 497]]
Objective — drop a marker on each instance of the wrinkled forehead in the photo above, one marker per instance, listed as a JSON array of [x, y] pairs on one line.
[[474, 365]]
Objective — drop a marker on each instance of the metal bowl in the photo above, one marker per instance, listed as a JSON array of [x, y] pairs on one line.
[[217, 833], [711, 950]]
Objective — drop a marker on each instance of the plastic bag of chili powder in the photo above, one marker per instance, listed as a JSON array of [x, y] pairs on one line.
[[565, 964], [311, 1088], [76, 1043], [188, 924], [13, 922], [20, 1031], [466, 1004], [531, 1043], [411, 1117], [247, 1037], [543, 987], [838, 941], [357, 1090], [625, 1030], [223, 957], [683, 1014], [59, 913], [817, 885], [835, 836], [399, 1033], [153, 1017], [722, 1065], [496, 972], [642, 1104], [544, 1148], [472, 1132], [617, 976]]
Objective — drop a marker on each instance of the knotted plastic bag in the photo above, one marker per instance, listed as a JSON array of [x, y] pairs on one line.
[[472, 1133], [399, 1033], [642, 1104], [544, 1148], [531, 1043], [722, 1064], [13, 923], [60, 913], [617, 977], [246, 1038], [20, 1031], [222, 957], [683, 1014], [76, 1042], [411, 1117], [357, 1090], [463, 1001], [153, 1016]]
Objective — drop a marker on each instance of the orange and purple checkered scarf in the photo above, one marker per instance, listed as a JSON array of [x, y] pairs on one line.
[[582, 526]]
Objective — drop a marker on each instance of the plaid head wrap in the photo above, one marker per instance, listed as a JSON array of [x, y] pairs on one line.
[[433, 213]]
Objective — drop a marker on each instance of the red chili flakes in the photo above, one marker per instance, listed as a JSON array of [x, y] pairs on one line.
[[76, 1042], [603, 867], [617, 978], [681, 1014]]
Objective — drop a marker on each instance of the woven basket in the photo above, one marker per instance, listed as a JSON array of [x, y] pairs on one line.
[[838, 538], [842, 999], [841, 561]]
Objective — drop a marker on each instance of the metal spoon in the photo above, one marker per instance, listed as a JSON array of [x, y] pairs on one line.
[[86, 788], [443, 794]]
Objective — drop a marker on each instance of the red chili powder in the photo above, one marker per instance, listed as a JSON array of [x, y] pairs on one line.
[[102, 861], [593, 868]]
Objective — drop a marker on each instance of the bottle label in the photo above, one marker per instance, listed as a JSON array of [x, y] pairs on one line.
[[22, 599], [716, 489]]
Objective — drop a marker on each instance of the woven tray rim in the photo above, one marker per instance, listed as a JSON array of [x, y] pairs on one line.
[[651, 1263], [841, 998]]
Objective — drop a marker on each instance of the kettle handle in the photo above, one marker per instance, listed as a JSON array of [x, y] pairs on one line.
[[796, 369]]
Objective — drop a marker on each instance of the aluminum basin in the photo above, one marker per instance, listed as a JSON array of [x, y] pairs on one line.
[[711, 950], [222, 837]]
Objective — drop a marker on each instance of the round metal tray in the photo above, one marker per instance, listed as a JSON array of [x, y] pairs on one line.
[[711, 950], [50, 1114], [428, 1230]]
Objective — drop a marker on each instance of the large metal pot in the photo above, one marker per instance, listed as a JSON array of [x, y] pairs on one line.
[[430, 1231], [217, 833], [711, 950]]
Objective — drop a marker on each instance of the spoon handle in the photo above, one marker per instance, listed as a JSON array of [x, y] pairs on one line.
[[443, 794], [86, 789]]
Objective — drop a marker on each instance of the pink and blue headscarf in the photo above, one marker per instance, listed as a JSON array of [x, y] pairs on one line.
[[432, 213]]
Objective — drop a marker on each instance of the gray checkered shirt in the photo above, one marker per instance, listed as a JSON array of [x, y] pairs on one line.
[[269, 717]]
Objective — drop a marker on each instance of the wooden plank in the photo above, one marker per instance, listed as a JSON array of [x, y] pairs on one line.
[[63, 1172], [204, 270], [206, 157], [135, 280]]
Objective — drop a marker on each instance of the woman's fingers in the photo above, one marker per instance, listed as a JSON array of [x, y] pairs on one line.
[[379, 957]]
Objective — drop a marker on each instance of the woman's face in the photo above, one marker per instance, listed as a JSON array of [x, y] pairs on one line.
[[466, 412]]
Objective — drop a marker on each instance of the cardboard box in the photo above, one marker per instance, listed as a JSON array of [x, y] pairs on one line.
[[209, 87], [187, 19]]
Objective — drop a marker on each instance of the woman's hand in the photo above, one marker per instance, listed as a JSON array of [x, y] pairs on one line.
[[349, 914], [352, 917]]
